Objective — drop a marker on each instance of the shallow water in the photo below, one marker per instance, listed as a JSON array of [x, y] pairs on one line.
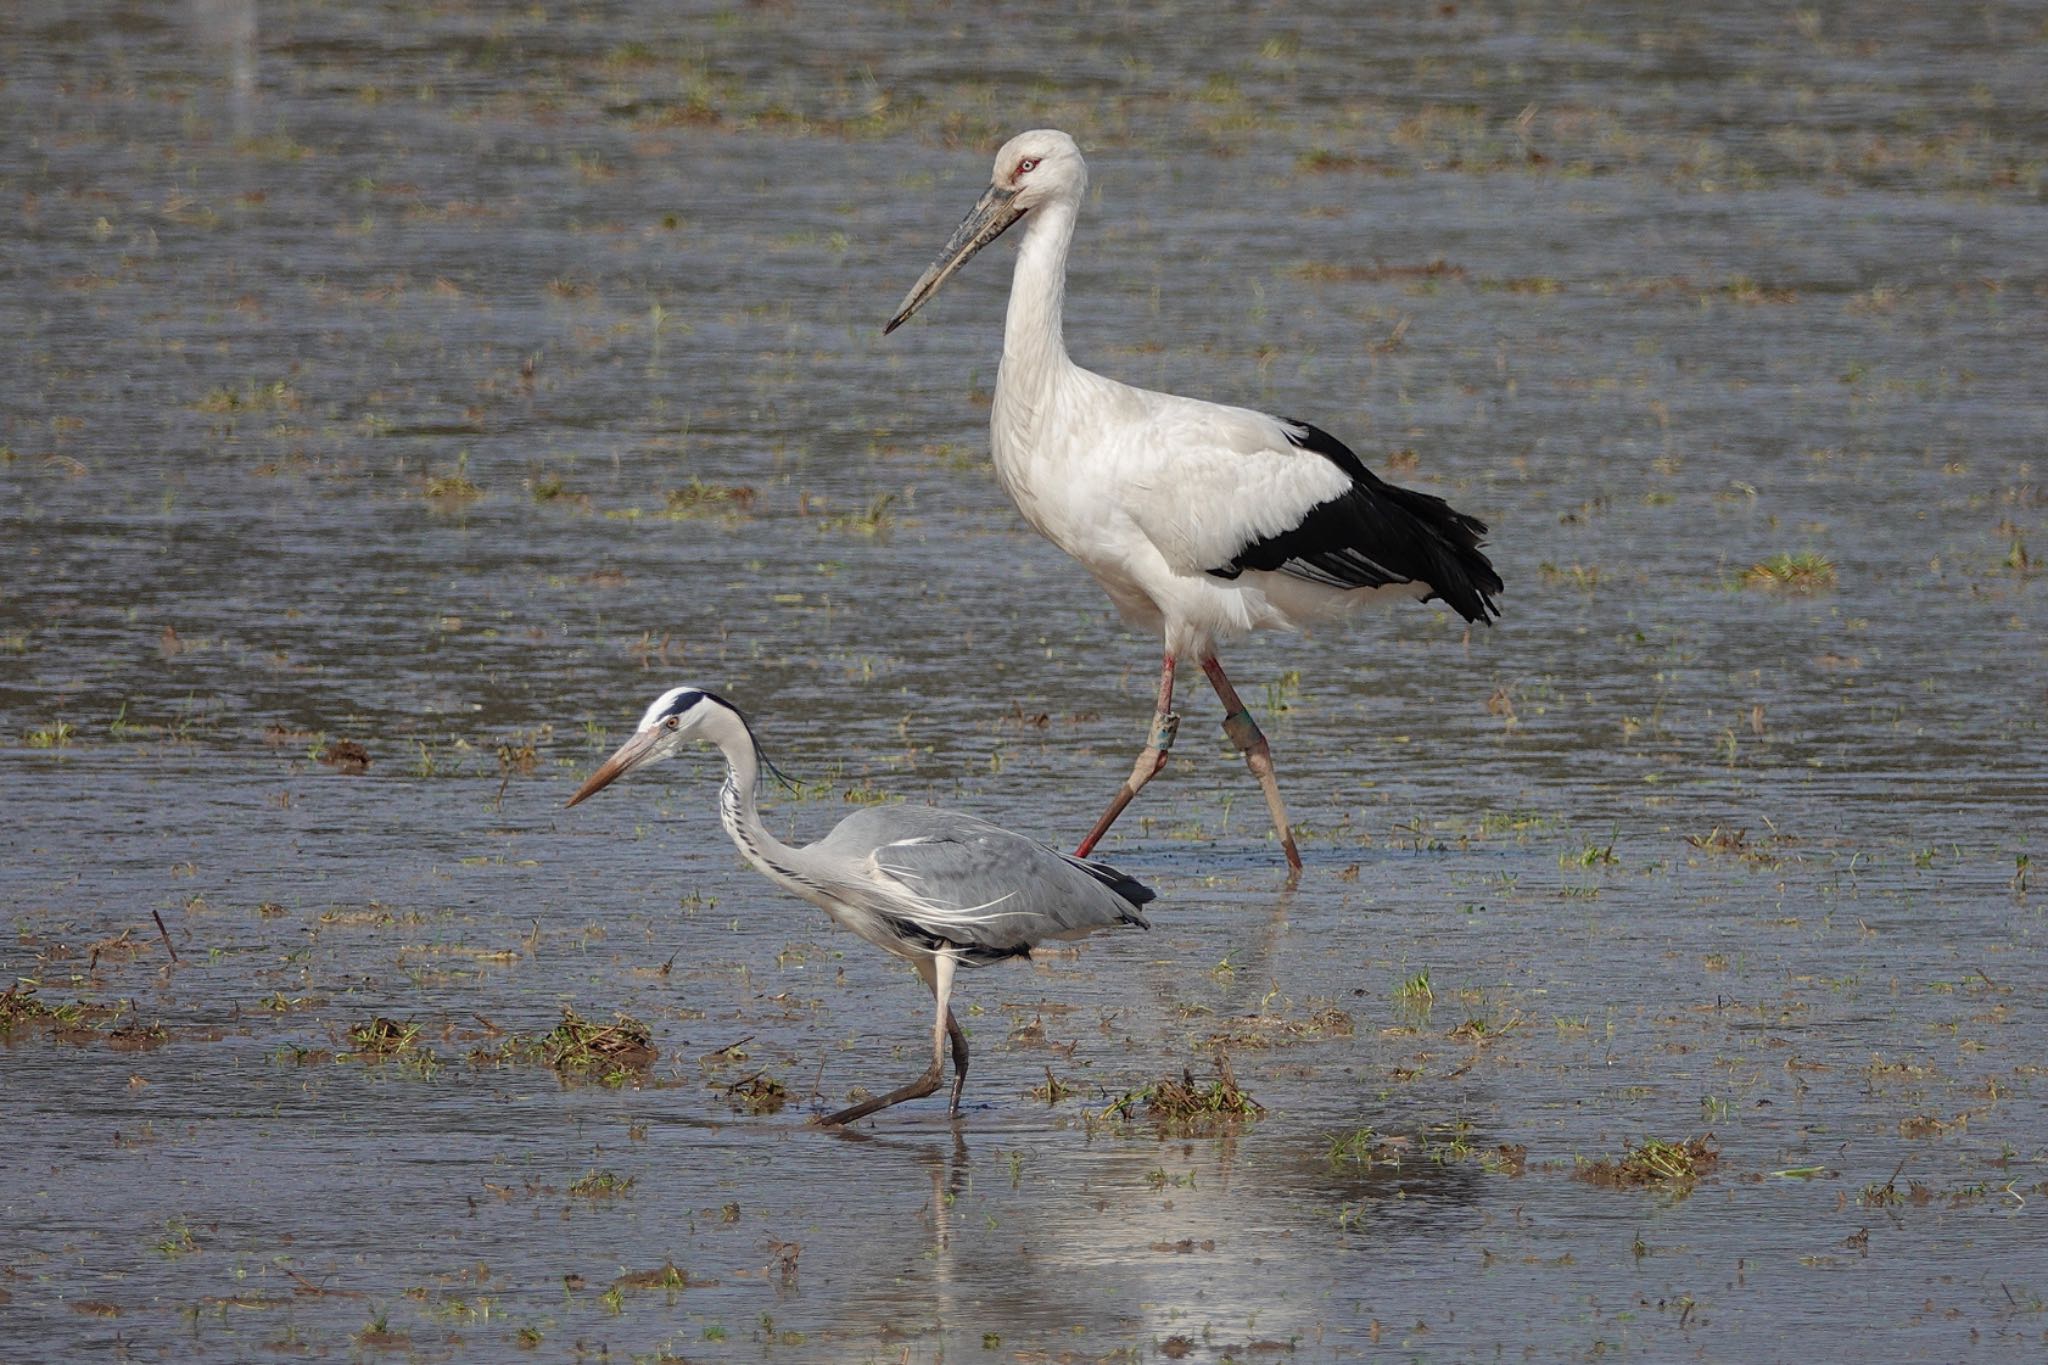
[[356, 358]]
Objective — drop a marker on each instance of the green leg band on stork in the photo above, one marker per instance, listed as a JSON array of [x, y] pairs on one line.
[[1151, 759], [1244, 732]]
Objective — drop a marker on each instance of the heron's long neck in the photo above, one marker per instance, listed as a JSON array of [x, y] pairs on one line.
[[1034, 348], [736, 803]]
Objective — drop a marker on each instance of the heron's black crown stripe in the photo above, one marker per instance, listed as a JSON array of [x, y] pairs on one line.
[[687, 699], [1376, 533]]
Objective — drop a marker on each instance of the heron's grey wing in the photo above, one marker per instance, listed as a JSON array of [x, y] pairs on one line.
[[977, 886]]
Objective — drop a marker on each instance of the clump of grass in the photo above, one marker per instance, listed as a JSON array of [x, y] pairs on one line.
[[383, 1037], [1268, 1030], [277, 396], [548, 488], [137, 1037], [1592, 855], [376, 1335], [1719, 840], [602, 1185], [1509, 1158], [580, 1048], [1364, 1147], [452, 487], [1180, 1105], [20, 1008], [1795, 573], [54, 736], [1416, 994], [345, 756], [700, 499], [177, 1239], [759, 1093], [875, 520], [1054, 1090], [521, 755], [1927, 1125], [665, 1276], [1655, 1164]]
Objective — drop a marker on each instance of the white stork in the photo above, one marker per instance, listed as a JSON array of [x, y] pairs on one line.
[[1201, 521]]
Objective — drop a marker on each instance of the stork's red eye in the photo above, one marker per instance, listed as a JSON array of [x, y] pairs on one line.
[[1029, 163]]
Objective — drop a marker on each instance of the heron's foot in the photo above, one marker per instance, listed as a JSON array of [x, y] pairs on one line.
[[916, 1090], [959, 1037]]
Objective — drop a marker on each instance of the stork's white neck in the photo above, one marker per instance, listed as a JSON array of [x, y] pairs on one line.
[[1034, 347]]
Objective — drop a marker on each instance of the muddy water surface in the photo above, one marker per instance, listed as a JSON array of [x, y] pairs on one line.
[[451, 384]]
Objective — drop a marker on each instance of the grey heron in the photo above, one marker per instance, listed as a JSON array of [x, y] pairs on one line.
[[1201, 521], [938, 889]]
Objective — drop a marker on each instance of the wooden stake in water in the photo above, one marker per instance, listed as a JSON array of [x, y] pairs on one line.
[[171, 947]]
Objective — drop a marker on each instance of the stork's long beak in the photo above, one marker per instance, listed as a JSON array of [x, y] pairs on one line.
[[990, 217], [630, 755]]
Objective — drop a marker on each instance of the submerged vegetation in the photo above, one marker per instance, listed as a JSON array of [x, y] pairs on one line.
[[1655, 1164], [1803, 572], [700, 499], [1181, 1105], [612, 1054]]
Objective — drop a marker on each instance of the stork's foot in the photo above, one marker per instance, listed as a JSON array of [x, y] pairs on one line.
[[1259, 758]]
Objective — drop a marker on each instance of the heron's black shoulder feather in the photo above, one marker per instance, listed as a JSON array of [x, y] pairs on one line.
[[1375, 534]]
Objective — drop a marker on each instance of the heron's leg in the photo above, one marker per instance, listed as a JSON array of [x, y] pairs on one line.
[[938, 974], [1158, 740], [1258, 755], [959, 1037]]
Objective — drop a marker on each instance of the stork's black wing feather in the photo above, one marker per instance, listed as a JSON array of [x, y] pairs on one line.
[[1374, 534]]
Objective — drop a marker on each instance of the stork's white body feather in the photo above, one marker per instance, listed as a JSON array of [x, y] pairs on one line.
[[1150, 491]]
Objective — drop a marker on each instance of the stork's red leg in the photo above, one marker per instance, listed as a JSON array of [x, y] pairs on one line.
[[1158, 741], [1258, 755]]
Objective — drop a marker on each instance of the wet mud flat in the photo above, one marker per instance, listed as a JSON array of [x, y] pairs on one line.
[[393, 409]]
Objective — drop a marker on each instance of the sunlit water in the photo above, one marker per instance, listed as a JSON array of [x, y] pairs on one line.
[[393, 378]]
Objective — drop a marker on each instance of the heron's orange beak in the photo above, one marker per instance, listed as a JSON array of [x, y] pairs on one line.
[[990, 217], [629, 756]]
